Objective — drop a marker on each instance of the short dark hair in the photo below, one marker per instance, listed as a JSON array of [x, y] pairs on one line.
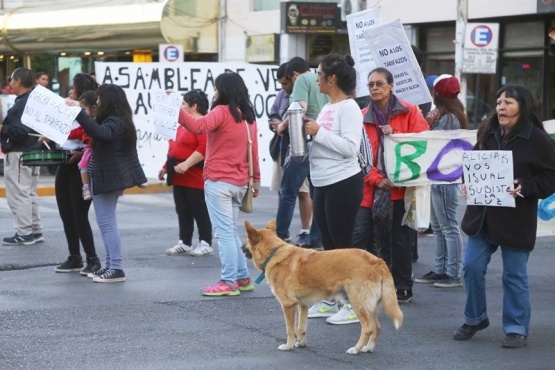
[[25, 76], [199, 98], [383, 71], [297, 64], [40, 74], [282, 71]]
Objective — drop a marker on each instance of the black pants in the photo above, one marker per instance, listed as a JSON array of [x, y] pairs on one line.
[[190, 207], [364, 234], [395, 245], [335, 210], [74, 210]]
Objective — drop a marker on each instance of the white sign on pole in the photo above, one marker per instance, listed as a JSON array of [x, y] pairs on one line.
[[481, 43], [165, 112], [357, 23], [488, 176], [391, 49], [48, 114]]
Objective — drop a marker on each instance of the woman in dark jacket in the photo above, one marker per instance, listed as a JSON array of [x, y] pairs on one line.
[[114, 166], [73, 209], [517, 127]]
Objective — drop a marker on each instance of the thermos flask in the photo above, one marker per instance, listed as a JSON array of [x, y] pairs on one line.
[[297, 132]]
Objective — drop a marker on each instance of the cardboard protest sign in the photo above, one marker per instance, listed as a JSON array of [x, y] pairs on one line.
[[357, 23], [48, 114], [488, 176], [165, 111], [391, 49]]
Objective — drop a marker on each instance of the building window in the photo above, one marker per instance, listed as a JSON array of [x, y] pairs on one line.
[[266, 5], [183, 8], [259, 5], [524, 35]]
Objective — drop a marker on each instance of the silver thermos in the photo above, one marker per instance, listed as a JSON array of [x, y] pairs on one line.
[[297, 132]]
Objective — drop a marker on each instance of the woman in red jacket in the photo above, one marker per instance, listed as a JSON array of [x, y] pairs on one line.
[[184, 171], [383, 203]]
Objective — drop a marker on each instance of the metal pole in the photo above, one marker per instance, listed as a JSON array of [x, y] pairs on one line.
[[222, 30], [462, 20]]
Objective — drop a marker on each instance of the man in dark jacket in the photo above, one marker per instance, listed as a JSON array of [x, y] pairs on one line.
[[21, 181]]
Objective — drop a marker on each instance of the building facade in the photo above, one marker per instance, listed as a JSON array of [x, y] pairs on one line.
[[63, 37]]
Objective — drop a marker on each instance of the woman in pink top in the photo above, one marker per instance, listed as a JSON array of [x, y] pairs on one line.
[[226, 172]]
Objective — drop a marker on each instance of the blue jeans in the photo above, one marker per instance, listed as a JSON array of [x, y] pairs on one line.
[[447, 234], [294, 174], [223, 201], [105, 210], [516, 293]]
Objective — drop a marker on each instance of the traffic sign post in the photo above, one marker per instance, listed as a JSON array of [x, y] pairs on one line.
[[481, 44]]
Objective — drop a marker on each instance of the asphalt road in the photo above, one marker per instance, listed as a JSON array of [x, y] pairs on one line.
[[157, 319]]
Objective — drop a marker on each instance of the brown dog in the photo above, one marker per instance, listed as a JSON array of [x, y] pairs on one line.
[[301, 277]]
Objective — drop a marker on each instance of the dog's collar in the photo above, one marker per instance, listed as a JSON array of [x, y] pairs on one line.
[[262, 274]]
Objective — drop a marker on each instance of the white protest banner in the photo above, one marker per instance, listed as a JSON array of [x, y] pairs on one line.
[[357, 23], [140, 80], [48, 114], [488, 176], [165, 112], [391, 49], [481, 43], [429, 157]]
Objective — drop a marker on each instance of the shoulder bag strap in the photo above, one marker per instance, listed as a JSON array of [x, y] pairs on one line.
[[249, 153]]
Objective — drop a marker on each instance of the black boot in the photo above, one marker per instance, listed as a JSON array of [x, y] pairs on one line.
[[72, 264], [93, 264]]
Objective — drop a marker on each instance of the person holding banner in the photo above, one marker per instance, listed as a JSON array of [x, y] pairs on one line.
[[21, 181], [184, 171], [228, 126], [72, 207], [334, 168], [115, 166], [447, 115], [385, 115], [517, 127]]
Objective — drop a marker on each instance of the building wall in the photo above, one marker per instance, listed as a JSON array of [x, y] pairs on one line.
[[427, 11]]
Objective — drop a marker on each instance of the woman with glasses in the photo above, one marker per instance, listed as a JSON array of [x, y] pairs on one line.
[[385, 203], [184, 170]]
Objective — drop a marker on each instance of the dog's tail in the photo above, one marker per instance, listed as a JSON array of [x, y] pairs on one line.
[[389, 298]]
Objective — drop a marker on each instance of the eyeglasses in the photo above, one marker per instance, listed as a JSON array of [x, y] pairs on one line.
[[377, 84]]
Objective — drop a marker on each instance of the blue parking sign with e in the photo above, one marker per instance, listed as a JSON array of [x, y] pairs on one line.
[[171, 53], [481, 36]]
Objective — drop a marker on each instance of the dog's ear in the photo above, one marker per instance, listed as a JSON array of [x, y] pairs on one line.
[[271, 225], [252, 234]]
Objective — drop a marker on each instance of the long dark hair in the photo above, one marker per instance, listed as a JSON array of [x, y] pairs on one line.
[[82, 83], [233, 92], [453, 106], [343, 68], [113, 102], [528, 110]]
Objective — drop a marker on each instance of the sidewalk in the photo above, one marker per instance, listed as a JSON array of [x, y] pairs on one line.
[[46, 186]]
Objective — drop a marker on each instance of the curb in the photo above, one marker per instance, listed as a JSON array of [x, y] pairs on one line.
[[49, 190]]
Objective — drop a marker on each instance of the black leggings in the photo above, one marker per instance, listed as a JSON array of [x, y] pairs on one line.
[[335, 209], [190, 207], [74, 210]]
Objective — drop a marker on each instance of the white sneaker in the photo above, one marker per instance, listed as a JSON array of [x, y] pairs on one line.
[[322, 309], [346, 315], [179, 249], [202, 249]]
